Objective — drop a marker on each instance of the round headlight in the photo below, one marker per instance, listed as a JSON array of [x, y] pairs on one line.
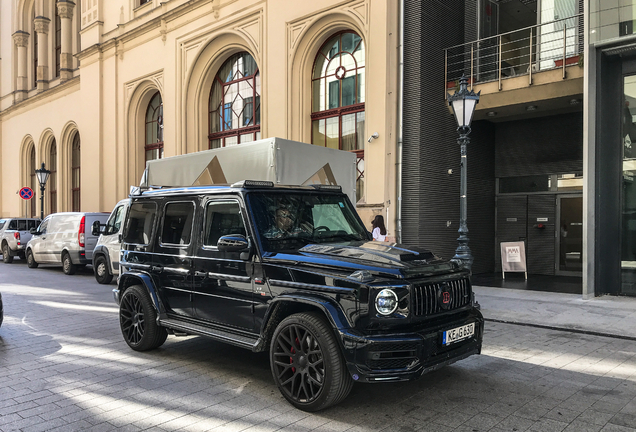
[[386, 302]]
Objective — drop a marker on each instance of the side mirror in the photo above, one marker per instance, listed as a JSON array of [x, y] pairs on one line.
[[33, 231], [233, 243], [97, 228]]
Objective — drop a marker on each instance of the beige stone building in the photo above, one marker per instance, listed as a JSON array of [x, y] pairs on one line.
[[95, 88]]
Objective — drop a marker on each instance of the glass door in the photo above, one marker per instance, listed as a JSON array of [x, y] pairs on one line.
[[569, 235], [628, 189]]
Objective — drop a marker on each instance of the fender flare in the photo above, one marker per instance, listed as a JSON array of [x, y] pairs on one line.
[[332, 311], [102, 250], [144, 279]]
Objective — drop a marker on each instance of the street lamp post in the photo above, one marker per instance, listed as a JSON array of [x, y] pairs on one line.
[[43, 176], [463, 103]]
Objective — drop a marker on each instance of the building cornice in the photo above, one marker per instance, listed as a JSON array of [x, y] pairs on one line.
[[27, 104]]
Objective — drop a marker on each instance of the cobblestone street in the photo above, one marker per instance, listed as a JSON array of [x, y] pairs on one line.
[[65, 366]]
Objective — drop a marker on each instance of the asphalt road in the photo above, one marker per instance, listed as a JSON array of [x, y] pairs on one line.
[[65, 367]]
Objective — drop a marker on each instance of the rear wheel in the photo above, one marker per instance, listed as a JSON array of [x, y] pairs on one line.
[[306, 363], [138, 320], [6, 254], [31, 263], [102, 273], [67, 265]]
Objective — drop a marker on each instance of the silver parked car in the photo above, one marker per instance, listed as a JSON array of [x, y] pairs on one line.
[[14, 235], [64, 238]]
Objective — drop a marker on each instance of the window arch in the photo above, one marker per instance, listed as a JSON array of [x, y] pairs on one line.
[[33, 182], [235, 102], [52, 183], [154, 128], [338, 91], [75, 173]]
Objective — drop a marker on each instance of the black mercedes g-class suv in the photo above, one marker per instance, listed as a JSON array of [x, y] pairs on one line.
[[291, 270]]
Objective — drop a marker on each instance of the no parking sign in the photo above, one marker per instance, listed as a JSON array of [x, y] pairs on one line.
[[26, 193]]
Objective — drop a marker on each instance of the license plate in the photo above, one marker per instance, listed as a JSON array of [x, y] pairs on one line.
[[457, 334]]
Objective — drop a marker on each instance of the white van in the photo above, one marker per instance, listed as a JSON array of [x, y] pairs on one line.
[[106, 253], [64, 238]]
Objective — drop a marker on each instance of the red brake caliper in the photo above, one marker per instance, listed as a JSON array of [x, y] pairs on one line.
[[293, 351]]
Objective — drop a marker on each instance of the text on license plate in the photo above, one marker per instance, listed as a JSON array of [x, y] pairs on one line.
[[458, 333]]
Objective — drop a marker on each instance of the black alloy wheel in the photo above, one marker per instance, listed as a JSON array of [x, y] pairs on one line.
[[6, 254], [138, 320], [307, 364], [67, 265], [31, 262], [102, 273]]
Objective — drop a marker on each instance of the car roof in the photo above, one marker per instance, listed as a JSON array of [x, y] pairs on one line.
[[204, 190]]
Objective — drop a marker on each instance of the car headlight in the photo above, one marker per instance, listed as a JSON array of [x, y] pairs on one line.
[[386, 302]]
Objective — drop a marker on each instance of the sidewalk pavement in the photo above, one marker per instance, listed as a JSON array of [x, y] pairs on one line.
[[606, 315]]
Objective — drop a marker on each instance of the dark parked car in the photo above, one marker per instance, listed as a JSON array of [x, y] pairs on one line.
[[291, 270]]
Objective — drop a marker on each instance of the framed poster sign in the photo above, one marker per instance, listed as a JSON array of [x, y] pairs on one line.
[[513, 258]]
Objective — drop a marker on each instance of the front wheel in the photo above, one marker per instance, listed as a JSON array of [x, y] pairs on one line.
[[138, 320], [102, 273], [31, 262], [67, 265], [6, 254], [306, 363]]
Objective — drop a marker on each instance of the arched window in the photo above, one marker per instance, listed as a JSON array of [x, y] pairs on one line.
[[34, 182], [34, 36], [52, 183], [235, 102], [58, 42], [75, 174], [338, 87], [154, 128]]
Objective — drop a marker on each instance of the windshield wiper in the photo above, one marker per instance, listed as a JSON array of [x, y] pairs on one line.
[[346, 237]]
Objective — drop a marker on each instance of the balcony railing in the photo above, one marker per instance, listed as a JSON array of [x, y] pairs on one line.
[[542, 47]]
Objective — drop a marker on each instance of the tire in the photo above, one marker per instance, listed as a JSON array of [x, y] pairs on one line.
[[102, 272], [67, 264], [307, 364], [6, 254], [138, 320], [31, 263]]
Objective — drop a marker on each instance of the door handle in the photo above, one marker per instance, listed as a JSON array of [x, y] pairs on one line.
[[200, 274], [157, 269]]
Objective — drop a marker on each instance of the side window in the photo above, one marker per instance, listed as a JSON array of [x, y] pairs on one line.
[[222, 218], [140, 223], [43, 226], [13, 225], [114, 221], [177, 223], [32, 223], [22, 224]]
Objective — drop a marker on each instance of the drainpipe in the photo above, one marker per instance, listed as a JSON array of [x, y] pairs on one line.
[[400, 115]]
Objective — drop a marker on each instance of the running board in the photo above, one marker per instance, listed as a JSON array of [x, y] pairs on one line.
[[213, 333]]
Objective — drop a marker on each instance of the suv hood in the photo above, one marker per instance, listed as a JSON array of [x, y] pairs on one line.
[[381, 259]]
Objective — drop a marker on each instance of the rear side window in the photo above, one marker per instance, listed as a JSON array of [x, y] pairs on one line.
[[32, 224], [177, 223], [140, 222], [222, 218]]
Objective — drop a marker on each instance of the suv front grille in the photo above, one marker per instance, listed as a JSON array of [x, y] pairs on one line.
[[426, 296]]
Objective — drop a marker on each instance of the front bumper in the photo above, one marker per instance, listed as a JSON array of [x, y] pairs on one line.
[[407, 356]]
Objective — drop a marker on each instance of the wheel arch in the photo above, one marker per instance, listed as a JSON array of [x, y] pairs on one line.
[[289, 304], [129, 279], [101, 250]]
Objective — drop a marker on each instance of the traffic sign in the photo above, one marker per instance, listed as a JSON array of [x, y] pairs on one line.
[[26, 193]]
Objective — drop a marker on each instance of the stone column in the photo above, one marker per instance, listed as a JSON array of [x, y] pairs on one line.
[[65, 10], [41, 25], [21, 40]]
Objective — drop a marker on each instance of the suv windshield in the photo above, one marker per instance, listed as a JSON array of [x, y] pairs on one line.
[[292, 220]]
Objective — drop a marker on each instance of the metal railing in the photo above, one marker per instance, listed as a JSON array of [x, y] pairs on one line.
[[526, 51]]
